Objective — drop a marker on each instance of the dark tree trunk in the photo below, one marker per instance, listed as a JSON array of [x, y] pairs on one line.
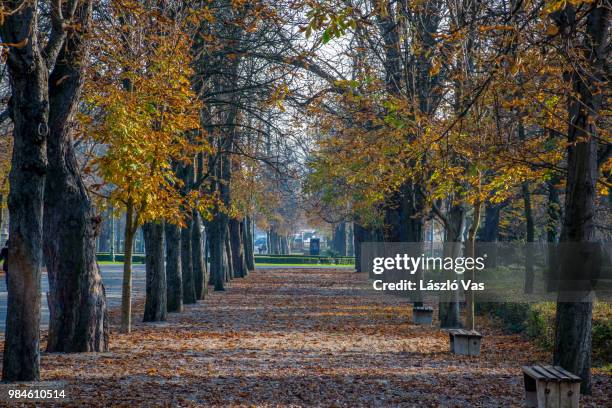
[[78, 317], [490, 229], [271, 241], [216, 239], [112, 234], [174, 277], [228, 254], [200, 273], [350, 248], [29, 110], [189, 294], [573, 320], [360, 235], [340, 238], [489, 232], [553, 211], [235, 235], [156, 291], [245, 247], [248, 244]]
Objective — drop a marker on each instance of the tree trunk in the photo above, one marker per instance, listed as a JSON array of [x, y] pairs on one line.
[[235, 235], [112, 234], [530, 236], [77, 300], [174, 277], [126, 292], [216, 239], [360, 235], [29, 110], [230, 272], [189, 294], [200, 273], [490, 229], [156, 292], [207, 280], [244, 246], [247, 237], [471, 252], [339, 238], [553, 211], [573, 321], [350, 249], [449, 310]]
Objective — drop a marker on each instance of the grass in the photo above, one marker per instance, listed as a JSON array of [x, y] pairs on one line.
[[305, 265], [263, 265]]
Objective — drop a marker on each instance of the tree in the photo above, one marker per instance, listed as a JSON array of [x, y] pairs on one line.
[[573, 320], [143, 110], [77, 300]]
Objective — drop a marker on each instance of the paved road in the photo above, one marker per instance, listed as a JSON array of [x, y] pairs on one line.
[[111, 276]]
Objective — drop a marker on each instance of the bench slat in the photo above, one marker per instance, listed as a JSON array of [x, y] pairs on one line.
[[463, 332], [556, 372], [546, 374], [552, 373], [569, 374], [533, 374]]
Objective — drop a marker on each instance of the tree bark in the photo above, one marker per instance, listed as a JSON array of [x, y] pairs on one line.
[[350, 248], [174, 277], [216, 239], [449, 310], [339, 239], [490, 229], [200, 272], [248, 244], [471, 252], [553, 211], [156, 291], [29, 110], [237, 248], [230, 273], [360, 235], [189, 294]]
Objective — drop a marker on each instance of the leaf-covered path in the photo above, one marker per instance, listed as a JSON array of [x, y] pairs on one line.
[[295, 337]]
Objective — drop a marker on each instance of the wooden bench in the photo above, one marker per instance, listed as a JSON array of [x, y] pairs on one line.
[[551, 387], [422, 315], [465, 342]]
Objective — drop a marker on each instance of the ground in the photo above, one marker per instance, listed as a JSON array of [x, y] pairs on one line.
[[297, 337]]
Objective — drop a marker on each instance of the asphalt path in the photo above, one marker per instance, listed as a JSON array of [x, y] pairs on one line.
[[112, 276]]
